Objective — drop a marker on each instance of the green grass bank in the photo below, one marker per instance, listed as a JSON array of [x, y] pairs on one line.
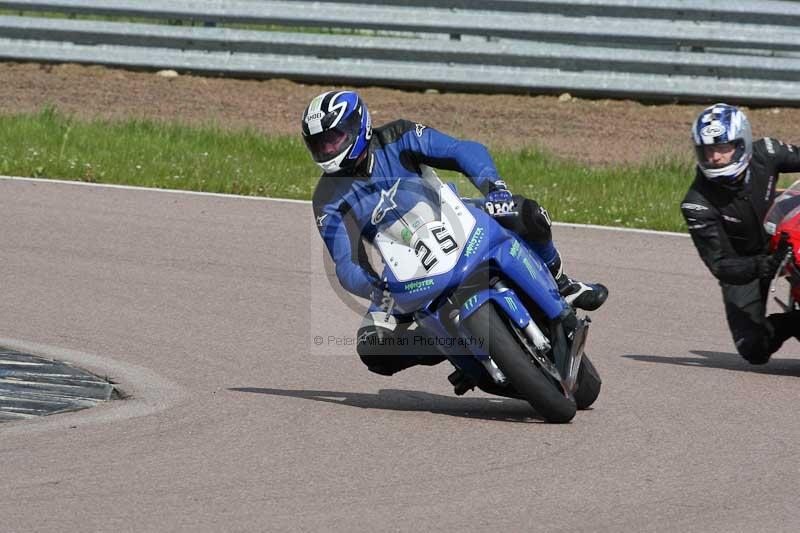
[[49, 144]]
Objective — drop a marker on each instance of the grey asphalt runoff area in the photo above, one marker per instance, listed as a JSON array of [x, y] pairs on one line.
[[205, 309]]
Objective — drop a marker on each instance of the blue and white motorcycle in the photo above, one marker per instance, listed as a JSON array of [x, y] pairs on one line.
[[481, 289]]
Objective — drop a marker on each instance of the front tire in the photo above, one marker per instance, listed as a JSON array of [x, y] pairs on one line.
[[527, 378]]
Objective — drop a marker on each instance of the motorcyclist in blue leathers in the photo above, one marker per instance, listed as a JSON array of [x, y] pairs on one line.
[[360, 166]]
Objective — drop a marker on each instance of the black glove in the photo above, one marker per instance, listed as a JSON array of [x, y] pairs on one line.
[[767, 265]]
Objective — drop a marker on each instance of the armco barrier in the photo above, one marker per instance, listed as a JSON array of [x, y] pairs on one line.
[[661, 49]]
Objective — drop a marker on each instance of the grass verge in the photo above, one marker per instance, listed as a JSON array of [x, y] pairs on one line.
[[49, 144]]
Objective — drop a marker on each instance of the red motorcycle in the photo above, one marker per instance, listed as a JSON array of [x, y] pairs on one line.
[[784, 218]]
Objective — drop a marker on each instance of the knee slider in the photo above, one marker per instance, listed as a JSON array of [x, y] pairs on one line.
[[372, 353], [368, 345], [754, 351]]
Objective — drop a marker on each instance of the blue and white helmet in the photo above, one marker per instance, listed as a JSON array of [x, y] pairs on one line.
[[337, 129], [722, 124]]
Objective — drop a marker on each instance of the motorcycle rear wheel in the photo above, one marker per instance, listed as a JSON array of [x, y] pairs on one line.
[[588, 382]]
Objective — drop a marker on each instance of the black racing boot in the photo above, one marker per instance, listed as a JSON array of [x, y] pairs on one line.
[[785, 326], [586, 296]]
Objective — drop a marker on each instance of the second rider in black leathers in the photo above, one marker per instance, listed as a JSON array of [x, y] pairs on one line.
[[725, 206]]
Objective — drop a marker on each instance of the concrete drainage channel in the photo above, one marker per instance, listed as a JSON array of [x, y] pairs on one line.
[[33, 386]]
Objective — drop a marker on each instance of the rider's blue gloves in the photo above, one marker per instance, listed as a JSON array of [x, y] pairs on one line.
[[500, 202]]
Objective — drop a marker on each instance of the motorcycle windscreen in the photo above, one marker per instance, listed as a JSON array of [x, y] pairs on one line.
[[426, 233], [785, 207]]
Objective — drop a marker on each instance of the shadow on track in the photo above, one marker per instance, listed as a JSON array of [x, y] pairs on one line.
[[726, 361], [498, 409]]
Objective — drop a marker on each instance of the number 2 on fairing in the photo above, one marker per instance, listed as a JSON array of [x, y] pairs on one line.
[[425, 255]]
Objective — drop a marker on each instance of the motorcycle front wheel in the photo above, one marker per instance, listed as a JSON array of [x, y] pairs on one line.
[[527, 378]]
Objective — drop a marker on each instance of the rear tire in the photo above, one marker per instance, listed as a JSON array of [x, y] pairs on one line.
[[589, 383], [527, 378]]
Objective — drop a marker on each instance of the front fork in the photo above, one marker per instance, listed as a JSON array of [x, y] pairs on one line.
[[789, 269], [565, 369], [567, 374]]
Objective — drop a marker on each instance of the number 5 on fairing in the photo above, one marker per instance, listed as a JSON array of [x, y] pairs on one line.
[[447, 242]]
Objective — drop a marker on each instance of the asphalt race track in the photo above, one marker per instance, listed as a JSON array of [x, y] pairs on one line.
[[205, 310]]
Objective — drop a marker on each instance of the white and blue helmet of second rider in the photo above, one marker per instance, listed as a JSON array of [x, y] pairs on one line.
[[722, 124], [336, 129]]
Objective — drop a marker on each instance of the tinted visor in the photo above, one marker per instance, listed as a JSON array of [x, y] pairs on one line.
[[333, 142], [705, 153]]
